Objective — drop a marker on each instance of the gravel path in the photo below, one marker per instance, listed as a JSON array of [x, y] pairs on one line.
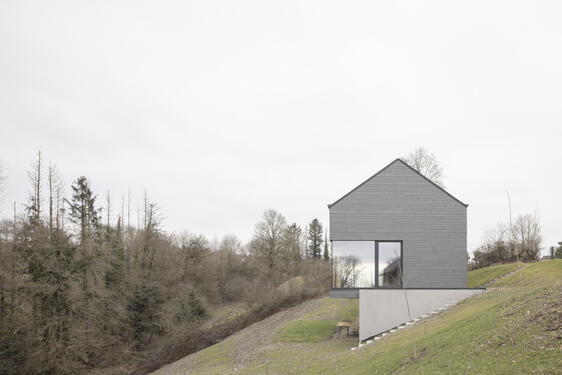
[[248, 343]]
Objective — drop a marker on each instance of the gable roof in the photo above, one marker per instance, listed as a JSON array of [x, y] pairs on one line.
[[407, 165]]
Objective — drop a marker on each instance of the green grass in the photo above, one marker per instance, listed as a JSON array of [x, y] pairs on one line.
[[484, 275], [535, 274], [320, 324], [306, 331], [506, 330]]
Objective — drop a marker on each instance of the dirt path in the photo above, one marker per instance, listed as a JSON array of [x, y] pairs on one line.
[[248, 343]]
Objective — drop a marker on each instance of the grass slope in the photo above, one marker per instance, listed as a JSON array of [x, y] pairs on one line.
[[506, 330], [307, 331], [482, 276]]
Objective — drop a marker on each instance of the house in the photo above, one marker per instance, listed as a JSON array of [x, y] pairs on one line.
[[400, 216], [398, 234]]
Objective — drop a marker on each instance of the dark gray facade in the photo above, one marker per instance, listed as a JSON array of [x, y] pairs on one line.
[[399, 204]]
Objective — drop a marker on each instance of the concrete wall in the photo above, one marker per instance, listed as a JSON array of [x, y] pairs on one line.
[[383, 309], [400, 204]]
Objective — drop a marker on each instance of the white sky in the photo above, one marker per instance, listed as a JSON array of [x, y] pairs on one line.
[[223, 109]]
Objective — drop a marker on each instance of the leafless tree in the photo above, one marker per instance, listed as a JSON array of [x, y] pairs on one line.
[[230, 243], [108, 208], [151, 231], [228, 247], [426, 163], [59, 291], [34, 174], [527, 234], [519, 241], [56, 188], [346, 269], [292, 242], [268, 237], [194, 248]]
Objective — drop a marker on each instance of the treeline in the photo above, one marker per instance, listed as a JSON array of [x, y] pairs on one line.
[[83, 290], [556, 251], [520, 241]]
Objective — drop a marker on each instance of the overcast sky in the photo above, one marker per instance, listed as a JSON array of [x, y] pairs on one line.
[[223, 109]]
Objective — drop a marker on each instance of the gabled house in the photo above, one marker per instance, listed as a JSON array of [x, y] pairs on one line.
[[398, 232], [399, 222]]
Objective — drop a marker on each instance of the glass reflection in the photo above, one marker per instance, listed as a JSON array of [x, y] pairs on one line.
[[354, 264], [389, 266]]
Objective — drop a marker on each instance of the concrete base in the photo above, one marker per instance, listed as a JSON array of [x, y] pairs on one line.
[[383, 309]]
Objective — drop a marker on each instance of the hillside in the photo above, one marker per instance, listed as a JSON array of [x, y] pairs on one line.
[[509, 329]]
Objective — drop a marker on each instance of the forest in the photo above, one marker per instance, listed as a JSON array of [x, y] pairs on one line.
[[82, 290]]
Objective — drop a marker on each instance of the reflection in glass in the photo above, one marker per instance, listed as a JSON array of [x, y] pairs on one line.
[[389, 266], [354, 264]]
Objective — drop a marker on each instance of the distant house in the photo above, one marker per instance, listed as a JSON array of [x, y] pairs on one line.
[[398, 230]]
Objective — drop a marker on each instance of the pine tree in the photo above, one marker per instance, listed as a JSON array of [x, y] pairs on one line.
[[82, 209], [315, 238]]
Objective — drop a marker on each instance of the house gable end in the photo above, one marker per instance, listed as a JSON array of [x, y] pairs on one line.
[[411, 169]]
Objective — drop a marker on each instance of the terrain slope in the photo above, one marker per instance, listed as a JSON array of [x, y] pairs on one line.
[[515, 327]]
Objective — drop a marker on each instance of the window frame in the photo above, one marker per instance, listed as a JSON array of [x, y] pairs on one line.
[[376, 256], [377, 264]]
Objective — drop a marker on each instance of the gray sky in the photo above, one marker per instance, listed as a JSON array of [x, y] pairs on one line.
[[223, 109]]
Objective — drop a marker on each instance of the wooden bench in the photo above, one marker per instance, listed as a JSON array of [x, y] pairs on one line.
[[342, 325]]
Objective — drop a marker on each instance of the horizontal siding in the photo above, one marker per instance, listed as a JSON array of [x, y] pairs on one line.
[[399, 204]]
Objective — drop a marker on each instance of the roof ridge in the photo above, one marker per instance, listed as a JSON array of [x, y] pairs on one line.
[[409, 166]]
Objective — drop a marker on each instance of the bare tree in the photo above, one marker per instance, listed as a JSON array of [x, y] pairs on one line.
[[268, 237], [346, 269], [151, 232], [292, 239], [231, 243], [225, 257], [2, 184], [194, 249], [56, 187], [34, 206], [527, 235], [426, 163], [517, 241]]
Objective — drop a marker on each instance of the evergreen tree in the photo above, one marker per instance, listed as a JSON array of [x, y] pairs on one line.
[[315, 238], [82, 209]]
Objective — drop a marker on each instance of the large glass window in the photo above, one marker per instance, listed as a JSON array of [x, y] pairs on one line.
[[367, 264], [389, 263], [354, 264]]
